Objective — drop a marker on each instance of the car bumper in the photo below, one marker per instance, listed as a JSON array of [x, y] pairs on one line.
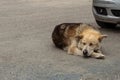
[[106, 12]]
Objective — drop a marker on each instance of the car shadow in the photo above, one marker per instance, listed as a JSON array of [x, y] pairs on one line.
[[111, 29]]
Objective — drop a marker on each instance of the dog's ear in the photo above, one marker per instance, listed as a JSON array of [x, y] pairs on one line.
[[78, 38], [101, 37]]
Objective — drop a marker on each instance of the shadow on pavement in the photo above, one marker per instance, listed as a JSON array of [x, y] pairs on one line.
[[111, 29]]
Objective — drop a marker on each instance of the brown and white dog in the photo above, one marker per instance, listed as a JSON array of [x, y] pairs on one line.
[[78, 39]]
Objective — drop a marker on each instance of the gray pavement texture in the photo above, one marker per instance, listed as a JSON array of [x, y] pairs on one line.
[[27, 51]]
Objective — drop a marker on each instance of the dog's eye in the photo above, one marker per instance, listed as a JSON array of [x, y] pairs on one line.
[[91, 44]]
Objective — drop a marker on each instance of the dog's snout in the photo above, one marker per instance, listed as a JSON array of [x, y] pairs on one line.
[[85, 53]]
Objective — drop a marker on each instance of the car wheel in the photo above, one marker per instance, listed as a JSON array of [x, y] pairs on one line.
[[105, 24]]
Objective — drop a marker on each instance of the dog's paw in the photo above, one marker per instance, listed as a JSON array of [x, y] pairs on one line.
[[100, 56]]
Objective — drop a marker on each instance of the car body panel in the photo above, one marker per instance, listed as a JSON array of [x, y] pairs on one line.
[[108, 5]]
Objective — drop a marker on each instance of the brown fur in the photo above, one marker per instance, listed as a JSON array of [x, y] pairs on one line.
[[78, 38]]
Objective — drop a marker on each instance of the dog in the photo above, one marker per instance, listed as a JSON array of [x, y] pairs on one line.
[[78, 39]]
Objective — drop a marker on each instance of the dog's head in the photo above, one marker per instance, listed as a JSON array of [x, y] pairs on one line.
[[89, 43]]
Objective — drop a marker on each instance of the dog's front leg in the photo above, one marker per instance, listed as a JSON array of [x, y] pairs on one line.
[[98, 55], [73, 49]]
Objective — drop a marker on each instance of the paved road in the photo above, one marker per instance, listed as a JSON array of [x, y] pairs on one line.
[[26, 49]]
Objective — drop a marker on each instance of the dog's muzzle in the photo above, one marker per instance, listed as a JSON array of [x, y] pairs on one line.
[[85, 53]]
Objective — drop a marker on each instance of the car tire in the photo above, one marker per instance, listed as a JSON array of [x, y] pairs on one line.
[[105, 24]]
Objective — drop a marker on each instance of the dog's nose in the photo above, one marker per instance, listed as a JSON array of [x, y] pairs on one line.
[[85, 53]]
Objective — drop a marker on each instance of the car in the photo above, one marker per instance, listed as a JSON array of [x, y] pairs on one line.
[[106, 12]]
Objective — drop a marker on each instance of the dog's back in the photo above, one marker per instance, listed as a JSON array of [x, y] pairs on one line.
[[58, 35]]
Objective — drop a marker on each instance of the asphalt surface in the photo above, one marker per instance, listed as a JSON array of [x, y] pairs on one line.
[[27, 51]]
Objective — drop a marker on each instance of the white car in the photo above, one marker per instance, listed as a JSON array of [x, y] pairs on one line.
[[106, 12]]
